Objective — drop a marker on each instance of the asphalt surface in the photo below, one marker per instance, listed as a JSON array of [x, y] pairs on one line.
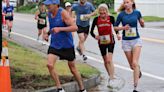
[[151, 60]]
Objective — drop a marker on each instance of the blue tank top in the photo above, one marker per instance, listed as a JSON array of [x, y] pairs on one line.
[[8, 10], [62, 39]]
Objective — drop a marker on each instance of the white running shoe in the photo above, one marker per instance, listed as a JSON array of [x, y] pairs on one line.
[[84, 91], [116, 84], [60, 90]]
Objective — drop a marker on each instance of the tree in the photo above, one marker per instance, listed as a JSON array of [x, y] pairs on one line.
[[110, 3]]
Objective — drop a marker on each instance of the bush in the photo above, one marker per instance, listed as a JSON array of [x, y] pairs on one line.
[[29, 8]]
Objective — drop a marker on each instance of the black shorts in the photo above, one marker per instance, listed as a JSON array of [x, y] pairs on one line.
[[83, 29], [64, 54], [39, 26], [104, 48], [9, 18]]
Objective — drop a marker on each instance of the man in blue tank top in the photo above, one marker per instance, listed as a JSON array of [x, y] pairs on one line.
[[84, 10], [61, 45]]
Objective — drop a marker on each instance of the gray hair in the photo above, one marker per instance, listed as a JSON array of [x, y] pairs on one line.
[[103, 5]]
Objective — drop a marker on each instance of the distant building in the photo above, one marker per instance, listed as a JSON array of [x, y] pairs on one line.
[[147, 7]]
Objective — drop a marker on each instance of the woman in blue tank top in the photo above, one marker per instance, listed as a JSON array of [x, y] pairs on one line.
[[131, 43], [9, 13], [61, 45]]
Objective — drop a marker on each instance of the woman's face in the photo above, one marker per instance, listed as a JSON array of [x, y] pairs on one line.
[[128, 4], [68, 8], [7, 2], [42, 7], [103, 12]]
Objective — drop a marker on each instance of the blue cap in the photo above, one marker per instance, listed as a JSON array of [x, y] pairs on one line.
[[48, 2]]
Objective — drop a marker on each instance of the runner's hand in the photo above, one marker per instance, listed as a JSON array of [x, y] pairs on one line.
[[118, 36], [45, 36], [87, 16], [126, 27], [97, 37], [142, 22], [56, 29]]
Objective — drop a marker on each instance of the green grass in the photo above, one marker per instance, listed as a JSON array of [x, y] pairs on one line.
[[146, 18], [28, 69], [29, 62], [153, 18], [29, 9]]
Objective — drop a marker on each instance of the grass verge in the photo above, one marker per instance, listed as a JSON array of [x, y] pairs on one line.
[[152, 18], [29, 71]]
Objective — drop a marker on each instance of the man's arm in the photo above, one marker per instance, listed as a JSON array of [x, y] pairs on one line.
[[68, 20]]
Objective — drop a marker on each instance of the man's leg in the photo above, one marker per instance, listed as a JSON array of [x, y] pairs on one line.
[[81, 42], [76, 74], [51, 67], [81, 48]]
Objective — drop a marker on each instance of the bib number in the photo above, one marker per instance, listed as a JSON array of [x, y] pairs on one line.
[[42, 21], [105, 39], [83, 18], [8, 14], [131, 32]]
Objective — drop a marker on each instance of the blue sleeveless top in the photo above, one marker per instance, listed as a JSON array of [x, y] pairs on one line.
[[62, 39]]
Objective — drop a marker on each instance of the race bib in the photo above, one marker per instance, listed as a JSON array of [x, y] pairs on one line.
[[131, 32], [42, 21], [8, 14], [83, 18], [105, 39]]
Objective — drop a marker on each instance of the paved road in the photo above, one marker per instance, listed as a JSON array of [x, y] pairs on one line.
[[151, 60]]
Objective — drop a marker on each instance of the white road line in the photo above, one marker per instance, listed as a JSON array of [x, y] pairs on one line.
[[152, 40], [100, 61], [128, 69], [28, 37], [156, 29]]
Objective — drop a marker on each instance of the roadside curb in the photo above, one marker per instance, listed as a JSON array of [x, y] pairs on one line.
[[73, 86], [69, 87]]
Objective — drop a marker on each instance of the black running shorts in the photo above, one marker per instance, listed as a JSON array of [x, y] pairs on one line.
[[83, 29], [9, 18], [40, 26], [64, 54], [105, 48]]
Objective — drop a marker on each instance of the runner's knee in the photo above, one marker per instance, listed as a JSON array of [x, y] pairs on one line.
[[108, 62], [81, 40], [134, 65], [50, 66]]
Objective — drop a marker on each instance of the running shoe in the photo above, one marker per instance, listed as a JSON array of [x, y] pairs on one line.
[[112, 83], [135, 91], [140, 75], [9, 35], [116, 84], [83, 90], [60, 90], [37, 38], [78, 50], [85, 58]]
